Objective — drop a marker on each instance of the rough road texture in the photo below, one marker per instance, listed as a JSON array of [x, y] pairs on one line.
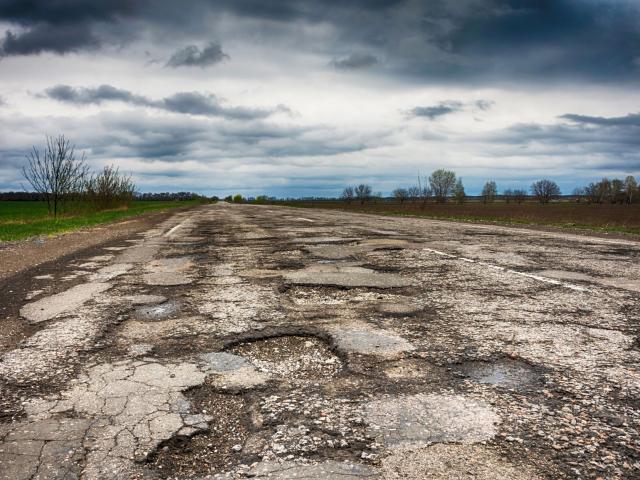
[[265, 342]]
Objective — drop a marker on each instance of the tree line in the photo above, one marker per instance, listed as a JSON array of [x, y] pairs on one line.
[[443, 185]]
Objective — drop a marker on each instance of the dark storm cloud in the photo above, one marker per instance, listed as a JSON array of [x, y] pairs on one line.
[[354, 61], [192, 56], [64, 38], [632, 119], [192, 103], [437, 40]]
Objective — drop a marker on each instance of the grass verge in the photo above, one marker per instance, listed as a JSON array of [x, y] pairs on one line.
[[20, 220]]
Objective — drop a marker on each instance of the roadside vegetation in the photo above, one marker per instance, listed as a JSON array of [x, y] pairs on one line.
[[66, 195]]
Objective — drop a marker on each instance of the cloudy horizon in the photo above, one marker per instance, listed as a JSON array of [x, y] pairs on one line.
[[300, 98]]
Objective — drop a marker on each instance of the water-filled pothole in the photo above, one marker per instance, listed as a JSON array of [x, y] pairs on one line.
[[158, 312], [292, 357], [504, 372]]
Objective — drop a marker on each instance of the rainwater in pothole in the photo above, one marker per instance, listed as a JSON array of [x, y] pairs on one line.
[[506, 373], [156, 313]]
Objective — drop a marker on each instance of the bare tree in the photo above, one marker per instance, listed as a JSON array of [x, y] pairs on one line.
[[544, 190], [348, 195], [508, 195], [414, 193], [489, 192], [519, 195], [363, 193], [630, 188], [441, 183], [458, 192], [401, 194], [579, 193], [56, 174], [617, 191]]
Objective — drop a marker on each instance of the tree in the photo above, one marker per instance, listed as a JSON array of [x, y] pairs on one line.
[[508, 195], [489, 192], [441, 183], [56, 174], [519, 195], [109, 189], [604, 190], [237, 198], [630, 188], [544, 190], [579, 193], [347, 195], [617, 191], [414, 193], [363, 193], [458, 192], [401, 194]]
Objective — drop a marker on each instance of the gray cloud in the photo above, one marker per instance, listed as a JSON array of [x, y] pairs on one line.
[[354, 61], [447, 107], [632, 119], [434, 111], [466, 41], [59, 39], [191, 103], [96, 95], [192, 56]]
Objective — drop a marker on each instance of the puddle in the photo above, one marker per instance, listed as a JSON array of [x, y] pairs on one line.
[[151, 313], [502, 373], [294, 357]]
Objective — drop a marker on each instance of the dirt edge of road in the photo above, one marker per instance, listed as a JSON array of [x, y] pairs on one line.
[[17, 256]]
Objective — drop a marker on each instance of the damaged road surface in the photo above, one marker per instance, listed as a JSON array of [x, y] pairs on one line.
[[238, 341]]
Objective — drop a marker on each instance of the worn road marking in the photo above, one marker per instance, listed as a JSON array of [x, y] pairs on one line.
[[539, 278]]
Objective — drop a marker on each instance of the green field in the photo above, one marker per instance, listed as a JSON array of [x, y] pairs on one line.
[[19, 220]]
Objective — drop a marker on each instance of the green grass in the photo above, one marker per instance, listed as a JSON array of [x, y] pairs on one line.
[[19, 220]]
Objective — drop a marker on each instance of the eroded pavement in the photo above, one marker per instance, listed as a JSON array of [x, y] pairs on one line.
[[265, 342]]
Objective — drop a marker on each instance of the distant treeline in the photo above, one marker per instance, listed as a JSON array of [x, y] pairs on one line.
[[164, 196], [168, 196]]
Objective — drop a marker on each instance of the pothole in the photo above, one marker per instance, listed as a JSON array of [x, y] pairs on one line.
[[291, 357], [397, 309], [345, 277], [155, 313], [505, 373], [211, 452]]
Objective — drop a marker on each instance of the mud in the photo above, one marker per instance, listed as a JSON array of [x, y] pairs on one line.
[[235, 341]]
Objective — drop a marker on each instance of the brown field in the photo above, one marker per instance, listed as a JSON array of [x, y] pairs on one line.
[[606, 218]]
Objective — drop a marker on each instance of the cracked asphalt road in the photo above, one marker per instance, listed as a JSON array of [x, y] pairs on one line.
[[235, 341]]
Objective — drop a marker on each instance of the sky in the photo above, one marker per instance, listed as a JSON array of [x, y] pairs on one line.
[[300, 98]]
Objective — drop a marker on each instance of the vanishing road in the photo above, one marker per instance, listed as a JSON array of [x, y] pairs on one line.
[[234, 341]]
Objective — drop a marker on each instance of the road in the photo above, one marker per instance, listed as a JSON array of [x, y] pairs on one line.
[[234, 341]]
